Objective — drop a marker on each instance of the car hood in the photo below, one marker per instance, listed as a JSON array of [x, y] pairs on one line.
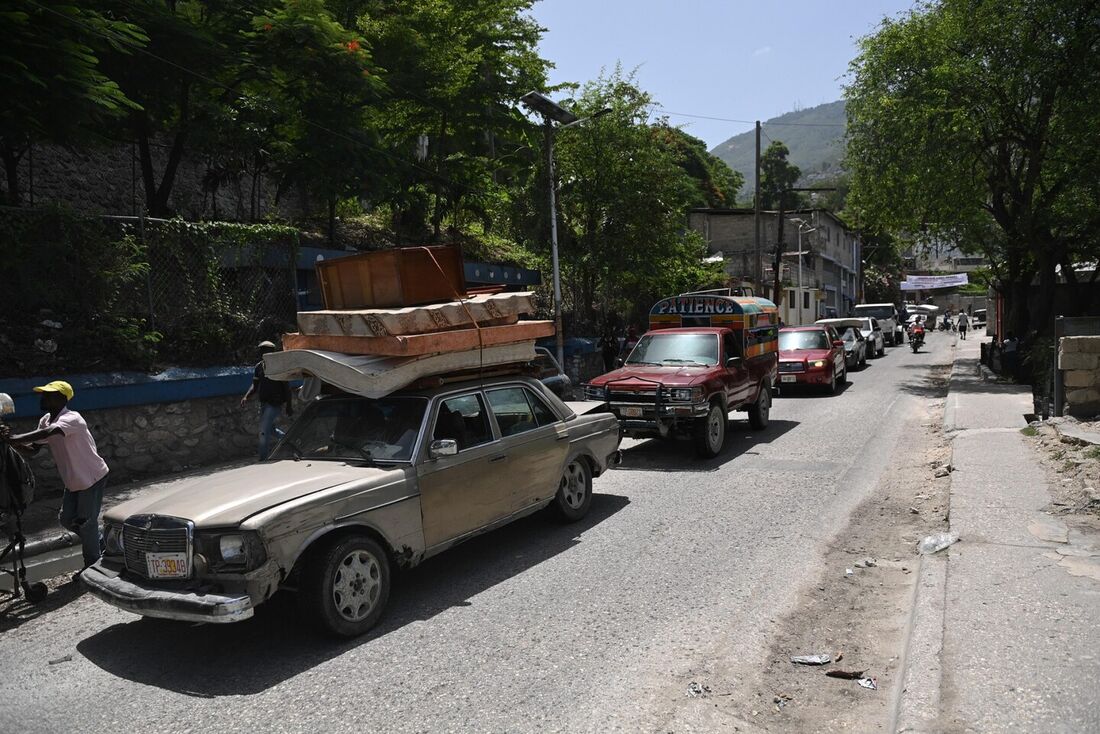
[[641, 375], [801, 354], [229, 497]]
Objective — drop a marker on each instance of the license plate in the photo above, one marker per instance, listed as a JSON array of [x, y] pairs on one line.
[[631, 412], [788, 378], [167, 565]]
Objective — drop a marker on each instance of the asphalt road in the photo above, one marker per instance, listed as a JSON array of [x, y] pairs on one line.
[[536, 627]]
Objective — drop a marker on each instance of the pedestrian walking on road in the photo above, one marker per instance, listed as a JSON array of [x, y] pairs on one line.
[[963, 324], [274, 396], [83, 471]]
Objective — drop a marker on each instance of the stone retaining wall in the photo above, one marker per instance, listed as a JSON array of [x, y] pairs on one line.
[[1079, 359], [146, 441]]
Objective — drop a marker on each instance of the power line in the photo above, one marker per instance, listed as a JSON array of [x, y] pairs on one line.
[[752, 122]]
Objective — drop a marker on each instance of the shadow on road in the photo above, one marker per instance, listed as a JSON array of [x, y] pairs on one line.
[[278, 643], [678, 455], [801, 392]]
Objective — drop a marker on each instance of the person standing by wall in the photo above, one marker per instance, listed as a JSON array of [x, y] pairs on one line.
[[83, 471], [273, 395]]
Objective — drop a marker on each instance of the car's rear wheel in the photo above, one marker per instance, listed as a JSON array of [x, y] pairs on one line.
[[710, 432], [345, 585], [574, 495], [882, 349], [761, 409]]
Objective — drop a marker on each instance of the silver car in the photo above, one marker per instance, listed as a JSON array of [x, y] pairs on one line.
[[356, 488]]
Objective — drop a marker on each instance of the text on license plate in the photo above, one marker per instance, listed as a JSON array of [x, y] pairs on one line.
[[631, 412], [167, 565], [788, 378]]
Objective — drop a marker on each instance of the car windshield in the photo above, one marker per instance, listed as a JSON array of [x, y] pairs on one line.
[[676, 349], [878, 312], [356, 429], [815, 339], [847, 333]]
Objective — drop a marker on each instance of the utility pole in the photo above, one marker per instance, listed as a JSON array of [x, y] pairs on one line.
[[560, 337], [758, 270]]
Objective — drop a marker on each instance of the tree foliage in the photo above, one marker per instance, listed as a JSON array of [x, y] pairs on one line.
[[622, 203], [54, 88], [973, 120]]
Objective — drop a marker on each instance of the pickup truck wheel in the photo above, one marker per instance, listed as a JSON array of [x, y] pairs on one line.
[[574, 495], [761, 409], [346, 585], [710, 432]]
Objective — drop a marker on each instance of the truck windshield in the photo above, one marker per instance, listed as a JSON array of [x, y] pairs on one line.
[[676, 349], [355, 429], [876, 312]]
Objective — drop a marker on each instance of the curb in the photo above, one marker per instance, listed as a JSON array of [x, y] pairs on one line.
[[917, 707]]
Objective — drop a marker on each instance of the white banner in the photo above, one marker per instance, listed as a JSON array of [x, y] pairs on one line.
[[926, 282]]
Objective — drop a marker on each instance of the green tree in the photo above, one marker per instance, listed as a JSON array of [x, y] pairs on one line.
[[315, 82], [454, 71], [54, 88], [716, 183], [974, 120], [623, 200]]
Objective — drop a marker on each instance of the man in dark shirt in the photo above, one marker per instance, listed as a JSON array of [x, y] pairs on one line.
[[273, 396]]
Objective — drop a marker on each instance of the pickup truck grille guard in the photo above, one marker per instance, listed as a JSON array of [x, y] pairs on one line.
[[658, 398]]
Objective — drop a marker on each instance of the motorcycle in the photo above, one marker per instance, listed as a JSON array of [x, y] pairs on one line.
[[916, 338]]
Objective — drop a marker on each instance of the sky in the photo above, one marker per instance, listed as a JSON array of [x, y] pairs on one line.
[[732, 59]]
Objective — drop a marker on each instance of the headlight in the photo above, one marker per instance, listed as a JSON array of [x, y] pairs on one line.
[[112, 540], [686, 394], [817, 363], [240, 551], [595, 392], [231, 548]]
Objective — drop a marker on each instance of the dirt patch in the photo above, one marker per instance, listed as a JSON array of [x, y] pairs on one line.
[[862, 615], [1073, 471], [857, 613]]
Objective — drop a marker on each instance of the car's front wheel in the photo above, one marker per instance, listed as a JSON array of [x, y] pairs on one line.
[[345, 585], [710, 432], [574, 495]]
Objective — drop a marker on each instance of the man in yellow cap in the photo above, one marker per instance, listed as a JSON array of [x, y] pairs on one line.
[[82, 469]]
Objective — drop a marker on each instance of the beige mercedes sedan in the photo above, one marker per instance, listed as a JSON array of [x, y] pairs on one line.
[[357, 488]]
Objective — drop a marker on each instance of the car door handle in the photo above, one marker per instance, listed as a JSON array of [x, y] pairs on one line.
[[495, 459], [562, 437]]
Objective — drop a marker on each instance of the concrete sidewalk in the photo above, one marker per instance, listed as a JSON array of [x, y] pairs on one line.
[[1004, 638]]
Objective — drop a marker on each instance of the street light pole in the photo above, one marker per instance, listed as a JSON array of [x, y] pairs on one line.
[[560, 337], [552, 112]]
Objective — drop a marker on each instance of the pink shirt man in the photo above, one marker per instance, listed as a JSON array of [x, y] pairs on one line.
[[74, 450]]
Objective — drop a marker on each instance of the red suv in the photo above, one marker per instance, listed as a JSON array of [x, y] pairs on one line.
[[812, 355]]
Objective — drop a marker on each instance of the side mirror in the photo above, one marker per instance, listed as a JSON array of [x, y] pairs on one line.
[[838, 343], [443, 447], [733, 363], [619, 362]]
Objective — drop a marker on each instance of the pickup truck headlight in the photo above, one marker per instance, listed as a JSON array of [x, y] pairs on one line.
[[595, 392], [239, 550], [686, 394]]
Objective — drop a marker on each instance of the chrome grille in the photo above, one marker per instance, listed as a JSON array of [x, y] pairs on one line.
[[143, 534], [792, 366]]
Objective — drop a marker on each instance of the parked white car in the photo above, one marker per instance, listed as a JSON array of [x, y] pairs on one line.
[[872, 332]]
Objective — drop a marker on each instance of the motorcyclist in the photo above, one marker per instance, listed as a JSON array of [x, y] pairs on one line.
[[916, 331]]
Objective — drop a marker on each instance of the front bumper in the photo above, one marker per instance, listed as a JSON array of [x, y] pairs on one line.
[[185, 606], [650, 414], [809, 377]]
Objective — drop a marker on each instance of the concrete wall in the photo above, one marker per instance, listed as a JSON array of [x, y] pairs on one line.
[[1079, 358], [145, 441]]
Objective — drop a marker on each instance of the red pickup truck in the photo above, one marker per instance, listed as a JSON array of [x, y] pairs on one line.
[[703, 357]]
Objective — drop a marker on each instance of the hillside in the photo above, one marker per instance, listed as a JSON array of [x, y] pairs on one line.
[[817, 148]]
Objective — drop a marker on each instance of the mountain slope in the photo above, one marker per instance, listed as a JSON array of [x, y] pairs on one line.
[[817, 148]]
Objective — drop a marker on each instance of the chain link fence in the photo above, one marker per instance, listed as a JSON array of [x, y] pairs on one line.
[[132, 293]]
